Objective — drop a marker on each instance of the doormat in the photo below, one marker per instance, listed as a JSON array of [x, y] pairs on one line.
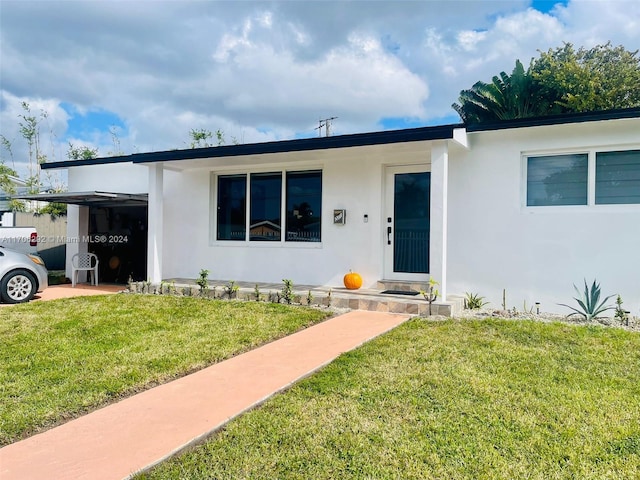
[[410, 293]]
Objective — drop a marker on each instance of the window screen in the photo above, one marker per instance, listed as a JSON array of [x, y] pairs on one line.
[[557, 180], [618, 177]]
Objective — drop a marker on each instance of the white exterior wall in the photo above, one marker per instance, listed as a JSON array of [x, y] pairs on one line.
[[491, 239], [352, 180], [111, 177], [537, 254]]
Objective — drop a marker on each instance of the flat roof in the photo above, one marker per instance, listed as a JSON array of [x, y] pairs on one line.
[[442, 132], [562, 119]]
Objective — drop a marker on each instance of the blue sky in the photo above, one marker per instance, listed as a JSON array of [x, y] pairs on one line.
[[90, 124], [546, 6], [151, 71]]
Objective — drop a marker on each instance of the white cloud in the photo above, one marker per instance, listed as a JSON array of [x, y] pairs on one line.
[[268, 70]]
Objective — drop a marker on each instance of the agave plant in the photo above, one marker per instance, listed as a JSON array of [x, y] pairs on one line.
[[589, 302], [474, 301]]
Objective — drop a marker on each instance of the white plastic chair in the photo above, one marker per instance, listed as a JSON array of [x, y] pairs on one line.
[[87, 262]]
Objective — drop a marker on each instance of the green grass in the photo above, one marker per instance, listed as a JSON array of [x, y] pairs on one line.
[[487, 399], [62, 358]]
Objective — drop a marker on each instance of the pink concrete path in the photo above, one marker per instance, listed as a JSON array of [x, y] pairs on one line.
[[66, 291], [138, 432]]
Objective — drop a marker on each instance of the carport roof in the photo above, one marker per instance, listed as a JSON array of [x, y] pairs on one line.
[[91, 199]]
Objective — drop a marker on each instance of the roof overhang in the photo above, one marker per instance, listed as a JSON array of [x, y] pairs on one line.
[[307, 149], [91, 199]]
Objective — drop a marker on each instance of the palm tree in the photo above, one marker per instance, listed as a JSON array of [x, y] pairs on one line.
[[506, 97]]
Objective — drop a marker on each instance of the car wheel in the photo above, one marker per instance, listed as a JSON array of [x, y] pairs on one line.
[[18, 287]]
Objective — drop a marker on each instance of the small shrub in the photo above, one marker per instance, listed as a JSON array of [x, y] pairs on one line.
[[309, 298], [621, 314], [202, 281], [431, 293], [231, 289], [287, 291], [589, 302], [256, 293], [473, 301]]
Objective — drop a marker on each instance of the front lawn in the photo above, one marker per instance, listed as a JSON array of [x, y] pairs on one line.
[[62, 358], [490, 399]]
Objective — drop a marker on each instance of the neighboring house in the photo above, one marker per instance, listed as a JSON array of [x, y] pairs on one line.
[[528, 206], [20, 189], [5, 199]]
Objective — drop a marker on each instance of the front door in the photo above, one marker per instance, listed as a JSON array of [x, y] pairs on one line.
[[406, 223]]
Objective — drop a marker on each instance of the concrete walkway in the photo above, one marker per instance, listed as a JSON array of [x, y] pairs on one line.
[[67, 291], [121, 439], [80, 290]]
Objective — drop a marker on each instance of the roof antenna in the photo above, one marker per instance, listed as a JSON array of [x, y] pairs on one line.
[[326, 124]]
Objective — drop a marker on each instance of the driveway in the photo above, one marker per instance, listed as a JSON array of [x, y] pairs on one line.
[[66, 291]]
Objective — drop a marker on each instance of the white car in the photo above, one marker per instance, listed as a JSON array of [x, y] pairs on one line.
[[21, 276], [20, 239]]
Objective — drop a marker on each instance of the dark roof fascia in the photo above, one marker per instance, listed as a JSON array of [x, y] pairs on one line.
[[557, 119], [85, 162], [442, 132]]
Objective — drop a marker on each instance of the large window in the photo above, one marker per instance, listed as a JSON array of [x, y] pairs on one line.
[[557, 180], [232, 199], [265, 207], [302, 197], [304, 206], [618, 177]]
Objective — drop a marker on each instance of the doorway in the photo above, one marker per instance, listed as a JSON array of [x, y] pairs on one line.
[[406, 223]]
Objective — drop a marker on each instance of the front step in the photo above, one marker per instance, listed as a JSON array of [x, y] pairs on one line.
[[339, 297], [402, 286], [374, 300]]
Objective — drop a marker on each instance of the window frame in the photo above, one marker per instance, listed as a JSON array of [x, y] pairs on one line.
[[250, 197], [582, 155], [609, 153], [591, 204], [283, 171]]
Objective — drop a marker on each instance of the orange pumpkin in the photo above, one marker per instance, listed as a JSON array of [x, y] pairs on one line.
[[352, 280]]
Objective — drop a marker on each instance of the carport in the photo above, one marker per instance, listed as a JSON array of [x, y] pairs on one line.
[[112, 225]]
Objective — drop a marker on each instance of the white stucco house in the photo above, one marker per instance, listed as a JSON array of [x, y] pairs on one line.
[[532, 206]]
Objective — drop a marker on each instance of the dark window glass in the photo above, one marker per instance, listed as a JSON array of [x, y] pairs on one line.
[[266, 200], [557, 180], [618, 177], [232, 198], [304, 206], [411, 222]]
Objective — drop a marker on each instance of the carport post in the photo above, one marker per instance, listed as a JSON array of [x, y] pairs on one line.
[[77, 233], [155, 219]]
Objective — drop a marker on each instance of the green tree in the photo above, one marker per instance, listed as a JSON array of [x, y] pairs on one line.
[[559, 81], [600, 78], [56, 209], [505, 98], [200, 138], [8, 187], [81, 153], [30, 131]]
